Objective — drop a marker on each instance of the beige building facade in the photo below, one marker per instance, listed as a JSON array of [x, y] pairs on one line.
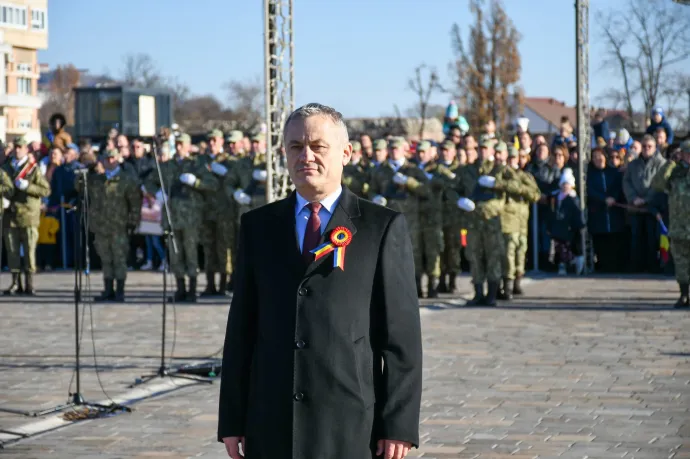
[[23, 31]]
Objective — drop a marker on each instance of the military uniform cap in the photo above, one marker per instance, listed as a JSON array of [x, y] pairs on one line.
[[512, 152], [356, 146], [184, 138], [257, 137], [486, 143], [424, 145], [380, 144], [215, 134], [112, 153], [685, 146], [501, 146], [397, 142], [448, 144], [235, 136], [21, 141]]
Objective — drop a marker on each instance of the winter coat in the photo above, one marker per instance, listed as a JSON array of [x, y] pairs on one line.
[[637, 180], [566, 220], [663, 124], [602, 184], [601, 130]]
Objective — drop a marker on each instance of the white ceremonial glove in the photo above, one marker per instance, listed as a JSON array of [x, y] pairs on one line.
[[242, 198], [5, 203], [466, 204], [487, 181], [400, 179], [380, 200], [218, 169], [22, 184], [159, 196], [259, 175], [188, 179], [451, 175]]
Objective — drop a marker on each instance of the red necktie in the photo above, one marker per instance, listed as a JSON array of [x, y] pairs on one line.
[[312, 233]]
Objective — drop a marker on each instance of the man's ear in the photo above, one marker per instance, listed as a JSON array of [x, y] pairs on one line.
[[347, 154]]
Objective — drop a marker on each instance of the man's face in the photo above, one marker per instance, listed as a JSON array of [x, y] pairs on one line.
[[542, 152], [648, 148], [381, 155], [235, 147], [462, 157], [502, 157], [636, 147], [470, 143], [485, 153], [317, 151], [425, 156], [514, 162], [472, 156], [523, 159], [71, 155], [397, 153], [657, 118], [182, 149], [660, 136], [455, 136], [122, 142], [216, 144], [365, 140], [110, 163], [21, 151], [448, 154], [138, 149]]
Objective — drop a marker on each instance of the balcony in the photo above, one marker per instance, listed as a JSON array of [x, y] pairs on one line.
[[20, 100]]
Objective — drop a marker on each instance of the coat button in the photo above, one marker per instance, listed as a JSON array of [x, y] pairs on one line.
[[302, 291], [299, 396], [300, 344]]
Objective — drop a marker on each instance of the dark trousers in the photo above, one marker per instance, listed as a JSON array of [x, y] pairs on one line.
[[644, 243], [46, 255], [609, 249]]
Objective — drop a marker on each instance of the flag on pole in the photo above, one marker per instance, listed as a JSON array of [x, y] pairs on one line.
[[663, 242]]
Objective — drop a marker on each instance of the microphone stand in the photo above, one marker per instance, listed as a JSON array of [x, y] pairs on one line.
[[169, 233]]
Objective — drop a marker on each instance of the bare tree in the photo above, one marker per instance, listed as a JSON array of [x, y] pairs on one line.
[[245, 99], [60, 94], [644, 45], [141, 71], [423, 86]]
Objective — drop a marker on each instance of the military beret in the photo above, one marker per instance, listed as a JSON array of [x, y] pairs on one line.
[[448, 144], [685, 147], [380, 144], [501, 146], [184, 138], [215, 134], [235, 136], [21, 141], [424, 145], [512, 152], [397, 142], [356, 146], [112, 153]]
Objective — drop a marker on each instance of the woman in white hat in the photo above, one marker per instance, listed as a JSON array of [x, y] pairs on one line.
[[566, 225]]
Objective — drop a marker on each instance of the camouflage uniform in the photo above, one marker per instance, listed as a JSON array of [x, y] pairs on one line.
[[674, 179], [186, 203], [217, 231], [431, 225], [514, 223], [403, 198], [452, 225], [485, 244], [356, 176], [22, 218], [114, 211]]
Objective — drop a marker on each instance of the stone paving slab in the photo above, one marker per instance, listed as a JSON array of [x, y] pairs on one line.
[[580, 367]]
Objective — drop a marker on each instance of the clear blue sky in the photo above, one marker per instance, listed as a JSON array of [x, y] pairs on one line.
[[356, 55]]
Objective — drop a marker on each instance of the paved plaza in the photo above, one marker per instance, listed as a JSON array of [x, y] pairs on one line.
[[579, 367]]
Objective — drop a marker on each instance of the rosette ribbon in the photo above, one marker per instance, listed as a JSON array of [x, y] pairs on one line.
[[340, 239]]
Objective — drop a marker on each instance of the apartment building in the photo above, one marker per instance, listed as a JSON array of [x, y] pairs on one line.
[[23, 31]]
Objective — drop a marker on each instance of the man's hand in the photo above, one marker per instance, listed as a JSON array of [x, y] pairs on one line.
[[391, 449], [639, 202], [610, 201], [400, 179], [232, 446]]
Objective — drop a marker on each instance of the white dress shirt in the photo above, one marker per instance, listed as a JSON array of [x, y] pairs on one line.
[[302, 213]]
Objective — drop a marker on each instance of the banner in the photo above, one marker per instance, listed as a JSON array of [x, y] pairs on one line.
[[150, 218]]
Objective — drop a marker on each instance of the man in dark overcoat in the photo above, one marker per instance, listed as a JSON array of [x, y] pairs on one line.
[[323, 353]]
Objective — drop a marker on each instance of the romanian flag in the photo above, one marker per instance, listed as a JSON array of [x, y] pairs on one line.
[[663, 242], [463, 237]]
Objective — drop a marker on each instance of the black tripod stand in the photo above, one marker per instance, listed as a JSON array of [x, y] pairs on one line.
[[164, 371]]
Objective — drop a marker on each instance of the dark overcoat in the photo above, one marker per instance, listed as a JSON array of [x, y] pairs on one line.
[[602, 184], [321, 362]]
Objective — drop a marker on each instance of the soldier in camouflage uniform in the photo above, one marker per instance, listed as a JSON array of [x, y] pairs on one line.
[[185, 180], [674, 179], [114, 214], [401, 185], [22, 218], [356, 174], [483, 186], [380, 153], [452, 218], [217, 235], [514, 224], [431, 218]]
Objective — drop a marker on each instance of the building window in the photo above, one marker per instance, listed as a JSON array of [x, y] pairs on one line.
[[25, 123], [38, 19], [24, 68], [24, 86], [13, 16]]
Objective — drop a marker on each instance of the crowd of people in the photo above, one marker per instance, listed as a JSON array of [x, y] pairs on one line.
[[473, 202]]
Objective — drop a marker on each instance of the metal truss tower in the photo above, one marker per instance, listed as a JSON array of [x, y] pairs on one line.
[[279, 91], [583, 116]]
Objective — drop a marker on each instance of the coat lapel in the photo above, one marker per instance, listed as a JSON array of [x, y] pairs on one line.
[[286, 239], [345, 211]]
